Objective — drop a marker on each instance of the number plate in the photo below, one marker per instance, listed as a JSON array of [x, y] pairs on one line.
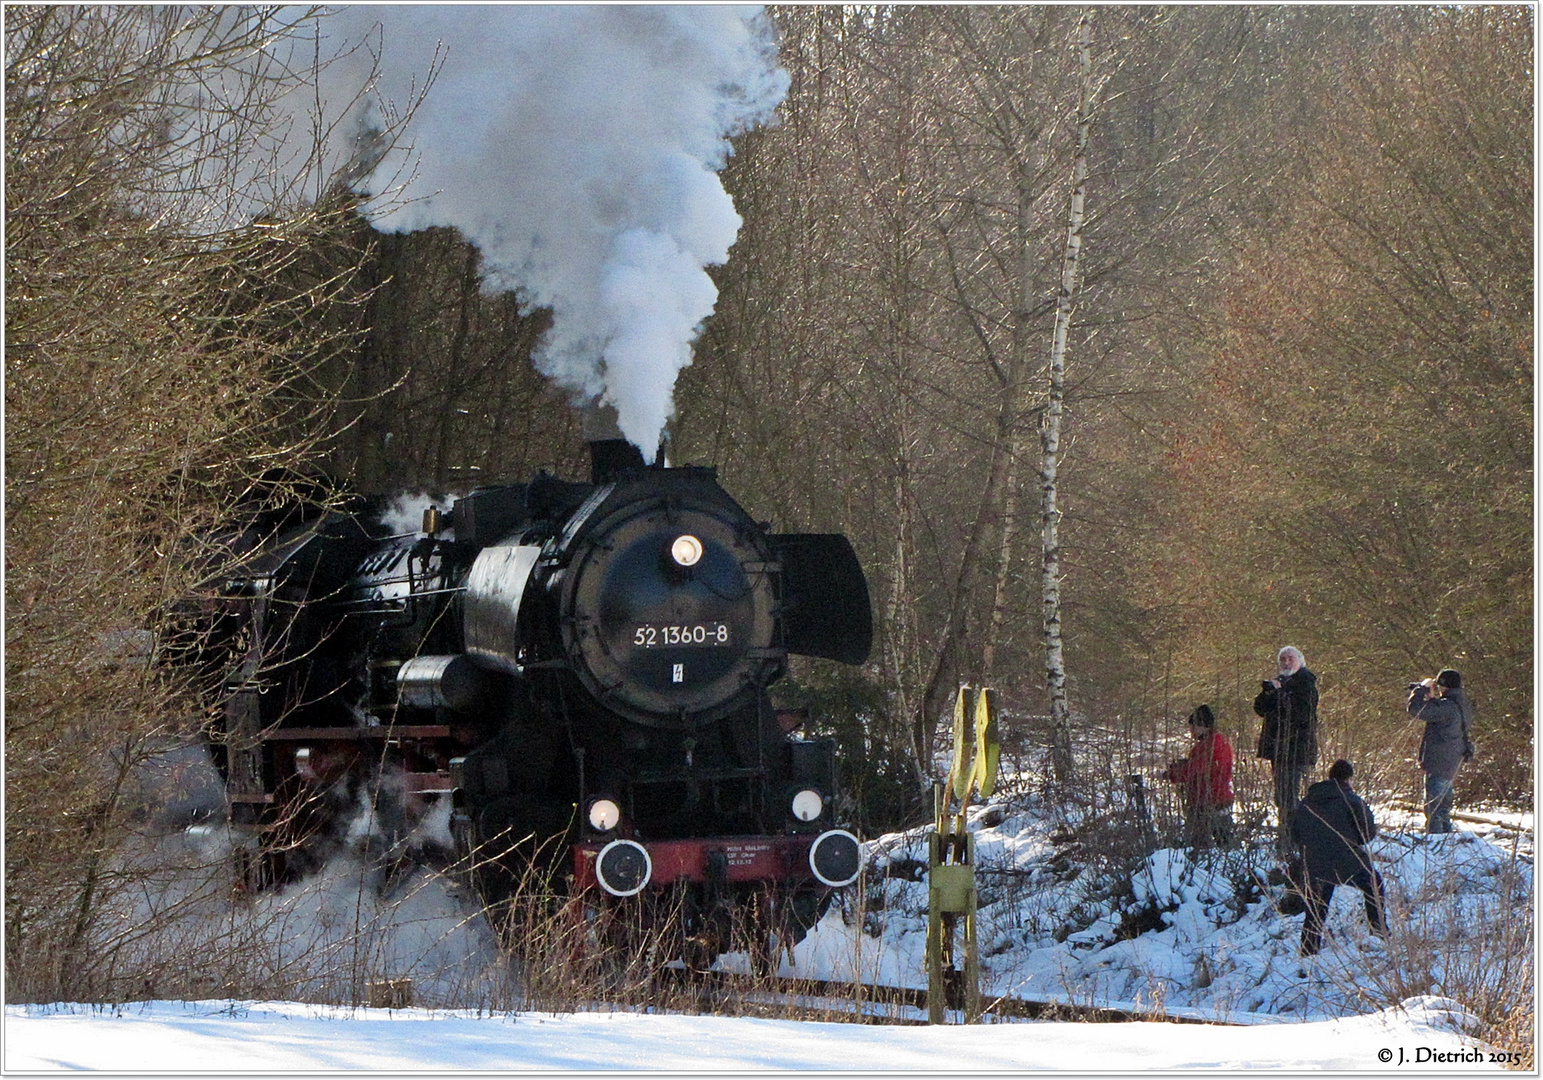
[[705, 635]]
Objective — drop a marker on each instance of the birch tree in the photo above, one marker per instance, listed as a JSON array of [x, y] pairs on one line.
[[995, 102], [1050, 430]]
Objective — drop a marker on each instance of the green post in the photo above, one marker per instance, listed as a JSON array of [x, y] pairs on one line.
[[935, 987]]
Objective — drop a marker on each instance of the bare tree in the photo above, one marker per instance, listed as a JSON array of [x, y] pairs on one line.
[[1370, 400], [164, 314], [881, 357], [811, 385]]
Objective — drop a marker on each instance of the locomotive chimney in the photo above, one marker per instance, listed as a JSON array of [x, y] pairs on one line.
[[610, 454]]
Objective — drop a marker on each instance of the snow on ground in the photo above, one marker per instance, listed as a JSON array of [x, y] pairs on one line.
[[1081, 907], [161, 1037], [1194, 934]]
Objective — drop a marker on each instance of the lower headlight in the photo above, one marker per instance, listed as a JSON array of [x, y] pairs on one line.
[[604, 815], [808, 805]]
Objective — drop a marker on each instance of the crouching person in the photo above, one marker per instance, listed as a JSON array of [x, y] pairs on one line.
[[1205, 782], [1333, 826]]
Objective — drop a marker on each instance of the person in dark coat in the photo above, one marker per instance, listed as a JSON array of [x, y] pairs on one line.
[[1288, 738], [1445, 744], [1333, 826], [1205, 781]]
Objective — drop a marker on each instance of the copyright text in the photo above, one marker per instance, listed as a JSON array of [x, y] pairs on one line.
[[1424, 1055]]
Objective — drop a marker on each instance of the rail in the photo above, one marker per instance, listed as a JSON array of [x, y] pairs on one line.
[[818, 999]]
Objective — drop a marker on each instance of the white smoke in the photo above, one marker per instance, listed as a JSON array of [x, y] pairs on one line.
[[404, 513], [172, 915], [578, 147]]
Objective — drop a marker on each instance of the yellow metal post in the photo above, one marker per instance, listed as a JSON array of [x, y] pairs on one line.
[[951, 891]]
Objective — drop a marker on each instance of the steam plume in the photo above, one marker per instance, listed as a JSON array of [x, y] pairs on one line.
[[578, 147]]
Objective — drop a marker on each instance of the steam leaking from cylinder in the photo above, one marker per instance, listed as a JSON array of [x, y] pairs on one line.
[[578, 147]]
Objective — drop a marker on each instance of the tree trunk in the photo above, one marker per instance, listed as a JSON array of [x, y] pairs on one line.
[[448, 453], [1050, 429], [997, 624], [1027, 289], [954, 662]]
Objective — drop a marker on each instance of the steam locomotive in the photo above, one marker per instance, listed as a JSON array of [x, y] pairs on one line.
[[581, 670]]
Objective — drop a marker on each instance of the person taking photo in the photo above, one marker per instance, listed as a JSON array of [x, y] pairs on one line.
[[1446, 742]]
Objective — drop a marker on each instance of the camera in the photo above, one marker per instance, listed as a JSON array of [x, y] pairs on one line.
[[1414, 686]]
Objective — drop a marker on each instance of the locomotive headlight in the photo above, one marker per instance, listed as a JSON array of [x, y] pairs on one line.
[[686, 550], [807, 805], [604, 815]]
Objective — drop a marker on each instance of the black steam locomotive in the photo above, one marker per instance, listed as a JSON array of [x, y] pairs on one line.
[[581, 669]]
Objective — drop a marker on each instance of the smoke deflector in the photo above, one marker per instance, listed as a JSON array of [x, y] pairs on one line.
[[825, 607]]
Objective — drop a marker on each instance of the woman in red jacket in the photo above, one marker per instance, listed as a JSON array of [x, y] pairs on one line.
[[1205, 780]]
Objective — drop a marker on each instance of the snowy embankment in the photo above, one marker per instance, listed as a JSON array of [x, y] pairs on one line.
[[159, 1037], [1197, 935], [1079, 911]]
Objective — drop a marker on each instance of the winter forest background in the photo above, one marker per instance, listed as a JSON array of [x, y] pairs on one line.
[[1298, 375]]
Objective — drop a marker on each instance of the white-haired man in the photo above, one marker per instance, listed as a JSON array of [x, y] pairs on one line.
[[1288, 739]]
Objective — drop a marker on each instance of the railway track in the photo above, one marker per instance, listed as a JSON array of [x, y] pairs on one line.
[[817, 999], [1472, 818]]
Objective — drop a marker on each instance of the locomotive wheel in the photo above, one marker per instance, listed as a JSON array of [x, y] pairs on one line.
[[630, 947], [252, 868], [287, 841], [777, 918], [708, 919]]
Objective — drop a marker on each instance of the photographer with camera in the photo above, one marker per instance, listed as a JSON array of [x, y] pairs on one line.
[[1288, 738], [1445, 744], [1205, 781]]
